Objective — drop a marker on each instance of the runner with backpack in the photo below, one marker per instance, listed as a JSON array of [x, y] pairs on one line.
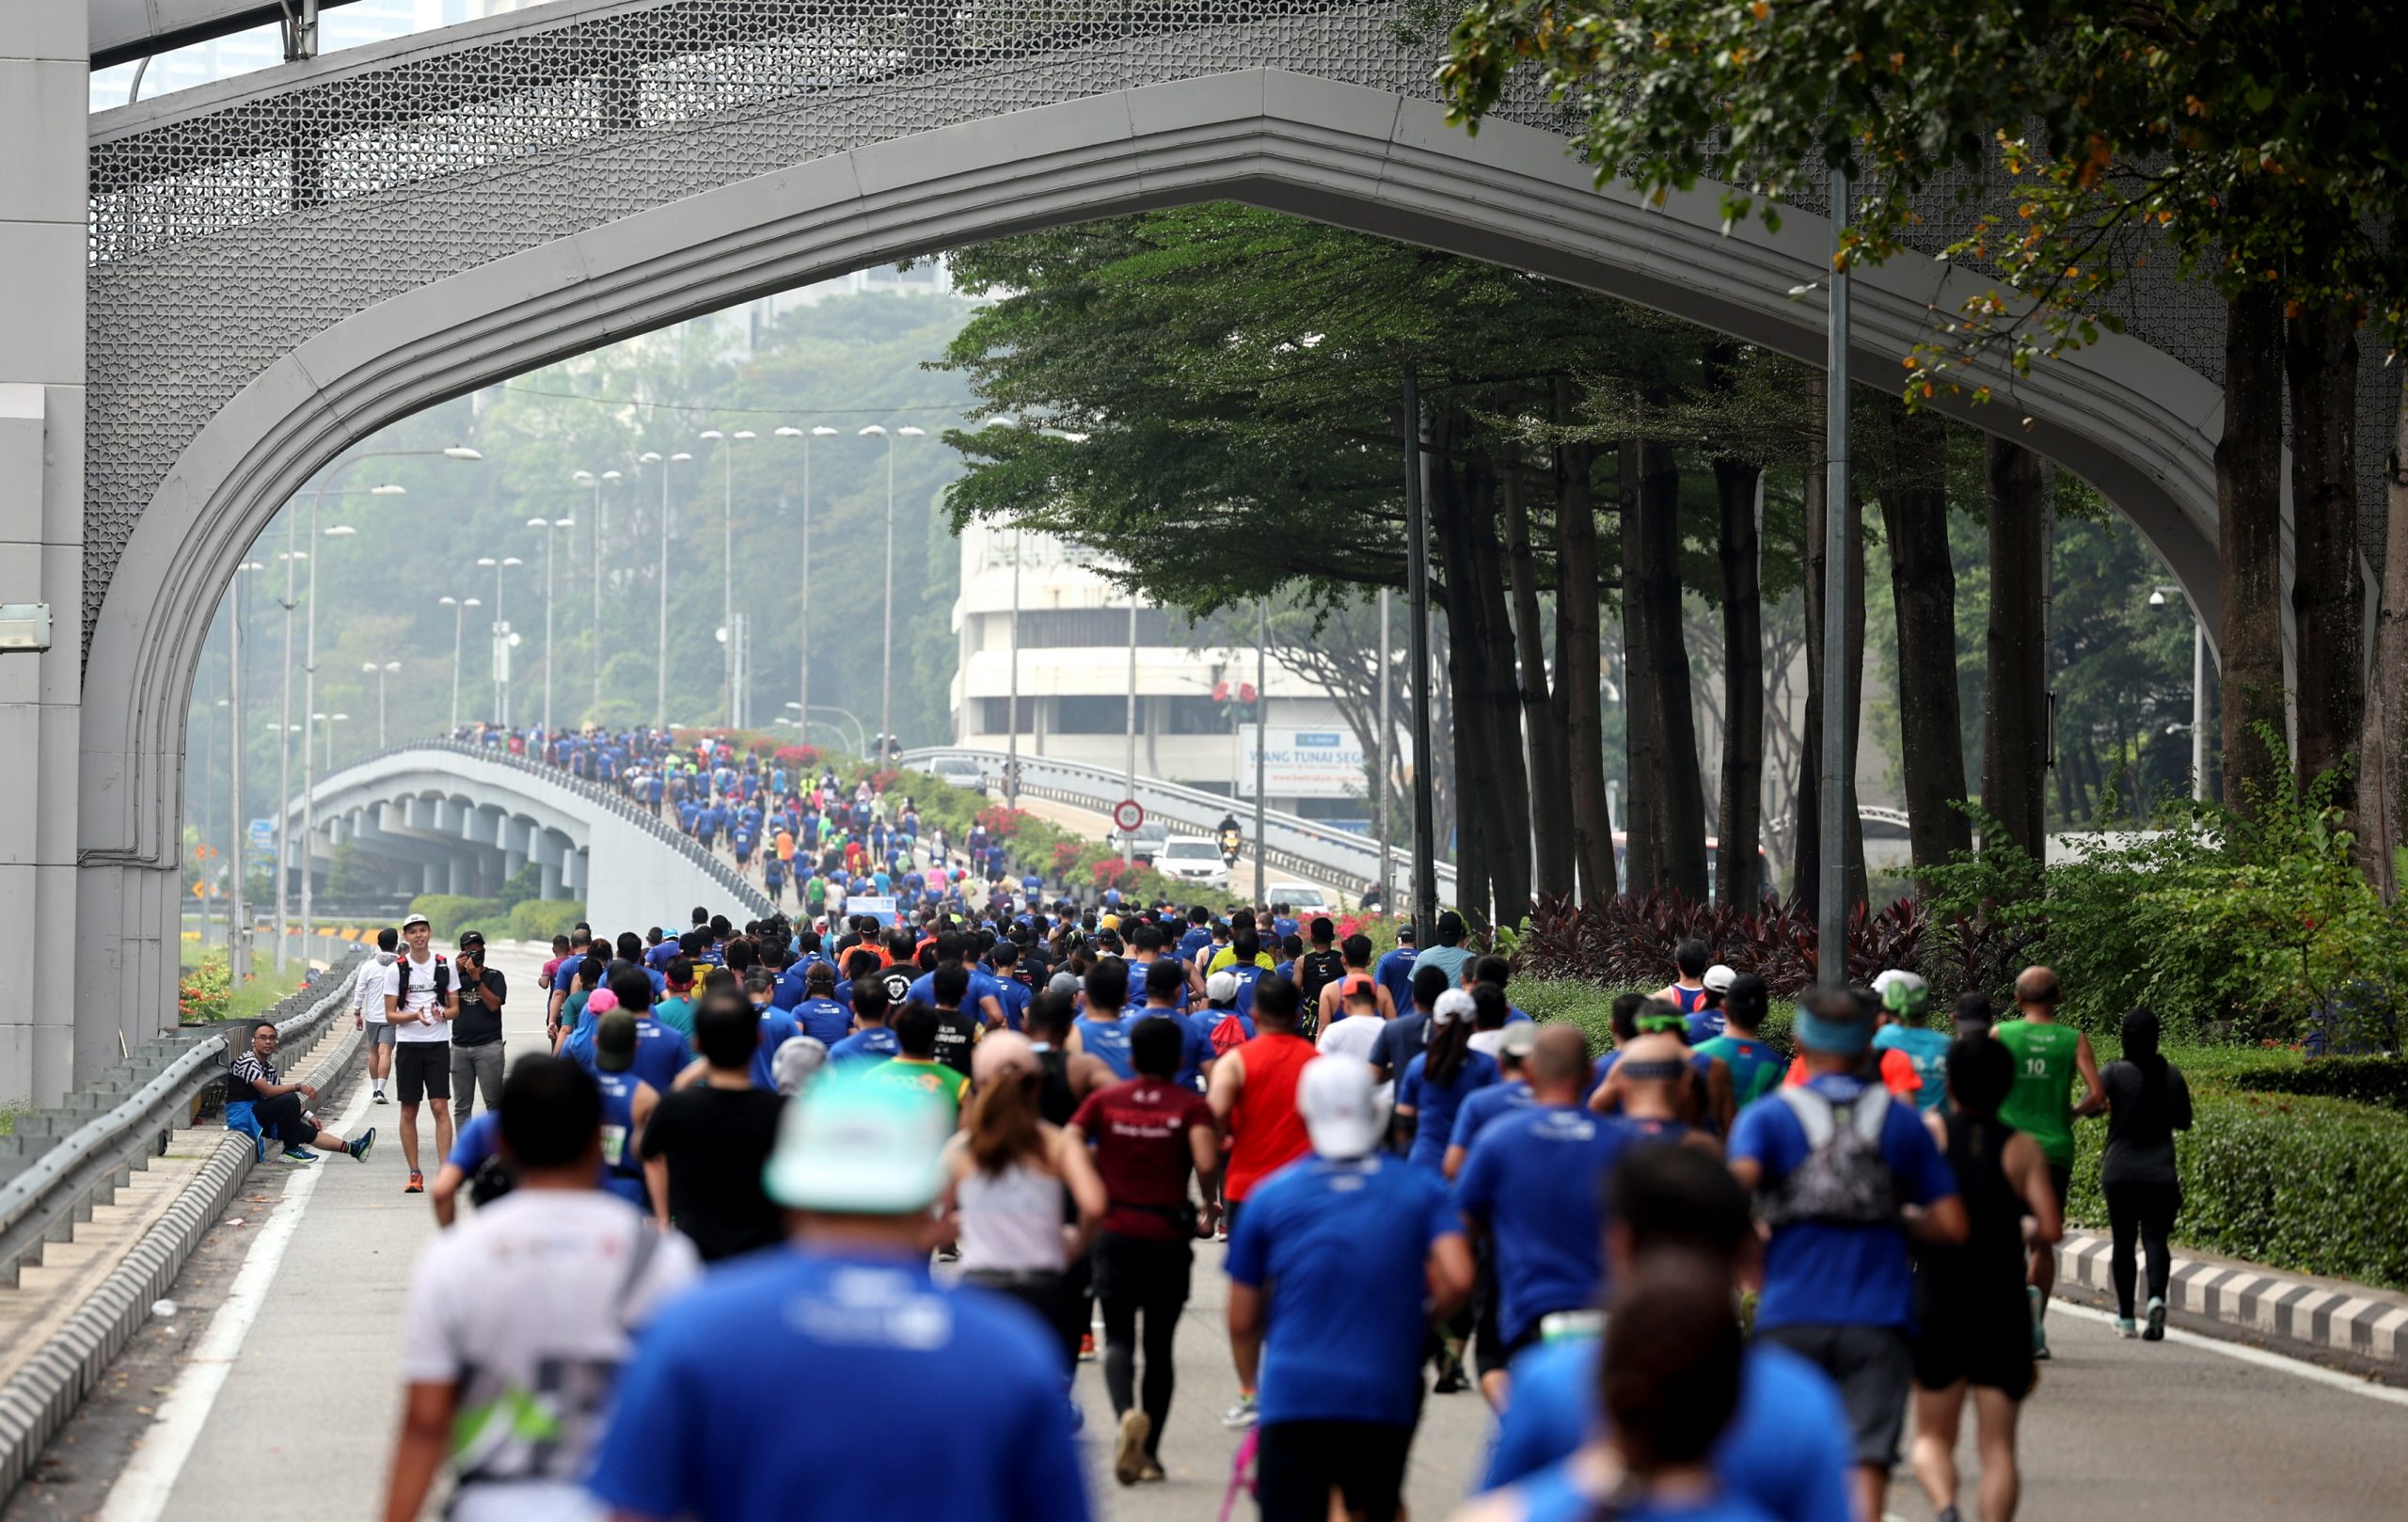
[[420, 1003]]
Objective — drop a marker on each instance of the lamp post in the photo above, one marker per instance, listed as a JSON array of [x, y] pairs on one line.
[[501, 637], [380, 672], [886, 642], [309, 671], [660, 657], [802, 626], [549, 526], [2157, 598], [587, 478], [238, 943], [459, 606], [727, 559]]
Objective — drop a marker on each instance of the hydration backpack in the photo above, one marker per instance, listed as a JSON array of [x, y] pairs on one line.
[[1844, 1180], [442, 977]]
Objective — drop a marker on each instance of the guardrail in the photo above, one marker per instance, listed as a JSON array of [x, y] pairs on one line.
[[58, 1163], [754, 901], [1293, 844]]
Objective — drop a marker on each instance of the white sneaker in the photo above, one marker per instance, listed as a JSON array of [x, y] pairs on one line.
[[1242, 1415]]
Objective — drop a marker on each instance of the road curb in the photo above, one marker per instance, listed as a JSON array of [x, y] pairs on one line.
[[38, 1400], [2326, 1317]]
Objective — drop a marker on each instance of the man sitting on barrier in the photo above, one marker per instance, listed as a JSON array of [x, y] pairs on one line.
[[277, 1105]]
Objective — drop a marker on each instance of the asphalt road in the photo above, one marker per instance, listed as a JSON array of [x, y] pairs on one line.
[[300, 1429]]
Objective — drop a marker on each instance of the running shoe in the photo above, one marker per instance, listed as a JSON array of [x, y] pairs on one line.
[[2155, 1330], [416, 1186], [380, 1097], [1129, 1452], [1450, 1378], [2127, 1327], [1087, 1347], [1242, 1415], [1151, 1470], [358, 1149], [299, 1154]]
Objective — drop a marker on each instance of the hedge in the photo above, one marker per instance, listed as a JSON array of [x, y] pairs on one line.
[[449, 914], [2377, 1081], [539, 919], [1591, 1008]]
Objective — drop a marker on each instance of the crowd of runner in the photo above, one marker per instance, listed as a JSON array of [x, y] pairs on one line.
[[806, 1218]]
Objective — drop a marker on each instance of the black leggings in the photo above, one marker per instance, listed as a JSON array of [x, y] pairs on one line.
[[1137, 1277], [2148, 1209]]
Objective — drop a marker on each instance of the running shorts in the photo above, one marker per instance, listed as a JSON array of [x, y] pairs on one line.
[[424, 1071], [1873, 1366], [1988, 1347], [1298, 1462], [380, 1033]]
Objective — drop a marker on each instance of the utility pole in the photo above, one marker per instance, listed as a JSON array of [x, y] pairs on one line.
[[1261, 730], [1417, 556]]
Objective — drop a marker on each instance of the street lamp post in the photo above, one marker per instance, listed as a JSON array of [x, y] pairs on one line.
[[309, 672], [501, 637], [238, 941], [459, 606], [587, 478], [549, 526], [2199, 695], [727, 559], [660, 657], [380, 672], [1128, 777], [885, 739], [802, 628]]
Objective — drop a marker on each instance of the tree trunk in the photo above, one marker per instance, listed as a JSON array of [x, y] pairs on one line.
[[2249, 524], [2328, 605], [1679, 806], [1641, 864], [1501, 717], [1739, 809], [1552, 867], [2015, 731], [2382, 757], [1923, 585], [1578, 678], [1806, 883]]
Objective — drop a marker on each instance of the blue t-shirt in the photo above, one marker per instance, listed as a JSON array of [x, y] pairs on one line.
[[1195, 1042], [1823, 1275], [1705, 1025], [1478, 1109], [777, 1325], [1401, 1041], [481, 1138], [777, 1027], [1343, 1248], [1394, 973], [1552, 1495], [1787, 1450], [924, 990], [1107, 1039], [1014, 995], [1448, 959], [1196, 938], [1435, 1104], [661, 1053], [874, 1043], [824, 1018], [1928, 1051], [1536, 1178]]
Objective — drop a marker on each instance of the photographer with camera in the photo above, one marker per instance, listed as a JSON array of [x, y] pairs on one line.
[[476, 1033]]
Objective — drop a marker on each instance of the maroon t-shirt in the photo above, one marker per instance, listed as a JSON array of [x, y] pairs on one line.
[[1139, 1133]]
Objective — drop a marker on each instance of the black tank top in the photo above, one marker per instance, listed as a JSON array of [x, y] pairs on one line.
[[1989, 1267], [1056, 1099]]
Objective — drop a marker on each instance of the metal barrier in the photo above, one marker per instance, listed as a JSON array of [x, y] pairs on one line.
[[1293, 844], [58, 1163]]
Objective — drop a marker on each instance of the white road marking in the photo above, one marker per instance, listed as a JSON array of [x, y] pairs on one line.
[[2263, 1359], [148, 1478]]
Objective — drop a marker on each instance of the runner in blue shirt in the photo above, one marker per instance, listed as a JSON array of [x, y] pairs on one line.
[[1098, 1031], [1336, 1262], [1512, 1091], [777, 1027], [1394, 970], [1905, 1000], [847, 1307], [1011, 992], [818, 1013], [1442, 1075], [872, 1043], [1838, 1282]]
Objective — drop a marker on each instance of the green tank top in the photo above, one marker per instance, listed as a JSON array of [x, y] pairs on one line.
[[2041, 1104]]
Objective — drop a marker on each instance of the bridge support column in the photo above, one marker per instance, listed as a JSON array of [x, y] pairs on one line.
[[459, 876], [120, 978]]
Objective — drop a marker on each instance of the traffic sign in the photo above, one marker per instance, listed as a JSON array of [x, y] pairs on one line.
[[1128, 814]]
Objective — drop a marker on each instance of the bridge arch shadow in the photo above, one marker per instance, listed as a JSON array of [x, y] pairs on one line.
[[2132, 421]]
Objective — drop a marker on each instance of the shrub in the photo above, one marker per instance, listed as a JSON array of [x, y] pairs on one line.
[[448, 914], [793, 757], [1552, 999], [2306, 1185], [205, 991], [539, 919], [2377, 1081], [1628, 940]]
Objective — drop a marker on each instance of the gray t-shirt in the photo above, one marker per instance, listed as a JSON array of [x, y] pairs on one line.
[[2140, 1137]]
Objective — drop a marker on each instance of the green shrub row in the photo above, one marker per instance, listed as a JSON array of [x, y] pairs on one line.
[[449, 914], [2377, 1081], [1550, 999]]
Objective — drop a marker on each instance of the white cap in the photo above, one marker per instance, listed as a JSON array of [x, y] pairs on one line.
[[1719, 978], [1221, 988], [1453, 1005], [797, 1058], [859, 1148], [1340, 1104]]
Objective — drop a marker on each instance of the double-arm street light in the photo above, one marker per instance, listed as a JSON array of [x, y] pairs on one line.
[[459, 606], [885, 741], [727, 559], [802, 628], [660, 655], [587, 478], [503, 638], [550, 528], [380, 672]]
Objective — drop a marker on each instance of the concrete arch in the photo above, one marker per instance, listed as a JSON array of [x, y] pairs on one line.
[[2134, 421]]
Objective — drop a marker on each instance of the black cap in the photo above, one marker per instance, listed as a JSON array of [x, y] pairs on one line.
[[471, 937]]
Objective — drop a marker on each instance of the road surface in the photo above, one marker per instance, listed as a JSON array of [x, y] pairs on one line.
[[288, 1416]]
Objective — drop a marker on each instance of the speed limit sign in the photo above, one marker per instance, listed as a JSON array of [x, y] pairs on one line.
[[1128, 814]]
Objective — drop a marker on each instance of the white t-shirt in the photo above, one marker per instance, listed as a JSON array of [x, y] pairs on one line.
[[421, 998], [527, 1305], [367, 987], [1487, 1041], [1350, 1037]]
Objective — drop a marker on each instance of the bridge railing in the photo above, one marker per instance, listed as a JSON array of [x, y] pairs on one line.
[[752, 899], [1307, 848]]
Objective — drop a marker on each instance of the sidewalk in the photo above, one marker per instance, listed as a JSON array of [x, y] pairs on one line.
[[2319, 1315]]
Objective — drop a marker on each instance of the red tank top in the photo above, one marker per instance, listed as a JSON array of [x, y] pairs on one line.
[[1265, 1132]]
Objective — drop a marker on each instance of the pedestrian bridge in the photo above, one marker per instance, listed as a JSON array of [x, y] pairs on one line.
[[447, 816]]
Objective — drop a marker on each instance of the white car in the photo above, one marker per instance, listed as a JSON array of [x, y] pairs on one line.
[[1304, 898], [1193, 859], [961, 770]]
